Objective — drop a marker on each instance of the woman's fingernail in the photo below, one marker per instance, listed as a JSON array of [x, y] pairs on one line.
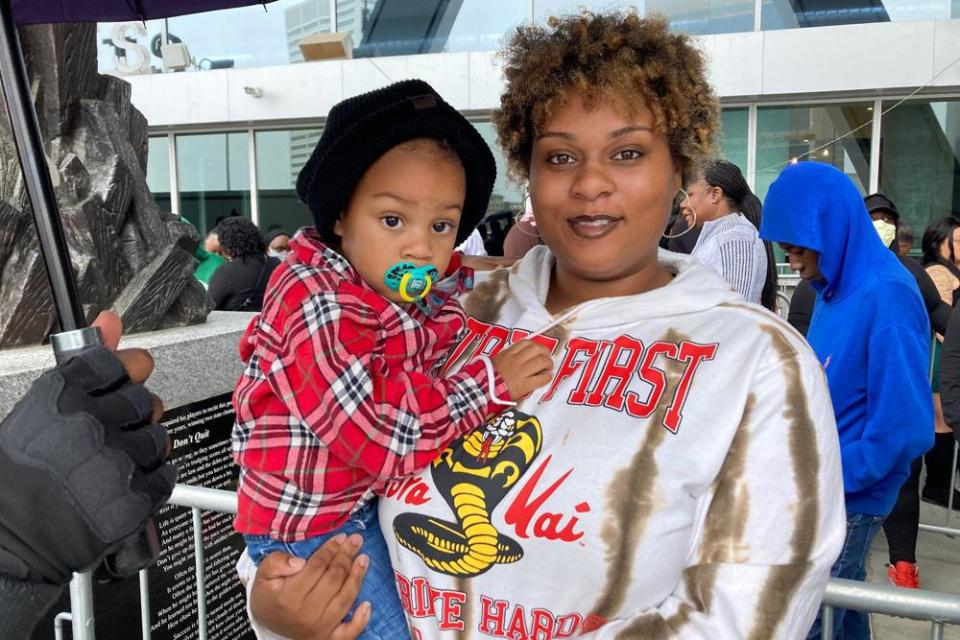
[[363, 561], [296, 563], [339, 538]]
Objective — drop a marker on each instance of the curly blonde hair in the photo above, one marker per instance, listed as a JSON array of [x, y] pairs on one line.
[[620, 57]]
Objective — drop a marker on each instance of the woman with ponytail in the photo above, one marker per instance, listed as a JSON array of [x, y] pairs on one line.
[[720, 203]]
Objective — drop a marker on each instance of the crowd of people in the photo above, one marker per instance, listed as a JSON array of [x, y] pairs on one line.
[[606, 438]]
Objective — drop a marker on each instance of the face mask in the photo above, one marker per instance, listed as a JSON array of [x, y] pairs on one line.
[[886, 231], [277, 254]]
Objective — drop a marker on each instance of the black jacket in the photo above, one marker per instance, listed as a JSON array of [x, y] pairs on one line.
[[239, 285], [804, 297], [950, 374]]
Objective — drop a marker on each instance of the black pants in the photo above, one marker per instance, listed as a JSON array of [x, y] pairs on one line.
[[900, 527], [938, 461]]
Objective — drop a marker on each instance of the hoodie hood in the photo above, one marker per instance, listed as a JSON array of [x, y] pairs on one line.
[[694, 288], [815, 206]]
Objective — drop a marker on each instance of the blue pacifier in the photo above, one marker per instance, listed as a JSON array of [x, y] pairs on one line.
[[413, 283]]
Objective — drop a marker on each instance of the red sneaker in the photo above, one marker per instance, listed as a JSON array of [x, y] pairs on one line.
[[904, 575]]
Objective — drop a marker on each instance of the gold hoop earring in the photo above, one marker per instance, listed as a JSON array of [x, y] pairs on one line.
[[689, 227]]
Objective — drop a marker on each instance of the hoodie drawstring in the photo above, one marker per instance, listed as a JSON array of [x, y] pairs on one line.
[[491, 375]]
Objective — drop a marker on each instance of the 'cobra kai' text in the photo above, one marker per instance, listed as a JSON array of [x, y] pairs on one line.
[[607, 370]]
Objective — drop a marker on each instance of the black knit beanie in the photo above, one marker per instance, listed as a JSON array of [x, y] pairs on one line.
[[361, 129]]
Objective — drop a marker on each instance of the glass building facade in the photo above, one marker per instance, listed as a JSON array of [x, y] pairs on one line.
[[909, 151], [788, 134], [918, 164], [256, 36]]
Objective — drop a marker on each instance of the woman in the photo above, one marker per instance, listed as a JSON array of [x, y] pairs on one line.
[[523, 235], [941, 252], [680, 475], [239, 284], [277, 242], [719, 202]]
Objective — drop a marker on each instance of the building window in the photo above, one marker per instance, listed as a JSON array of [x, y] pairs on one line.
[[213, 175], [920, 161], [733, 136], [280, 156], [809, 133], [158, 170], [401, 27], [507, 195], [788, 14], [702, 17]]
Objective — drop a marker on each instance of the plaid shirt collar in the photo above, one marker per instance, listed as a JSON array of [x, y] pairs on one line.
[[309, 249]]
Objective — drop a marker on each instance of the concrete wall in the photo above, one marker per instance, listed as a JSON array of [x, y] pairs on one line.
[[192, 363]]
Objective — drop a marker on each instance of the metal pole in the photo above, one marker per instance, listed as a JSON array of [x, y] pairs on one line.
[[947, 531], [936, 631], [953, 482], [201, 589], [36, 177], [81, 606], [144, 604], [826, 622], [875, 146], [252, 168], [916, 604], [186, 495], [62, 617]]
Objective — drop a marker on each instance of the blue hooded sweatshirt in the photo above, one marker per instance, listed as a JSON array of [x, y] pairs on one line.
[[869, 330]]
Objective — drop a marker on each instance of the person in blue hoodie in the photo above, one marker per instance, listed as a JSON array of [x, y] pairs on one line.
[[871, 334]]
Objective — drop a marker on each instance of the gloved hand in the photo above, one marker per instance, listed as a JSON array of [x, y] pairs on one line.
[[81, 468]]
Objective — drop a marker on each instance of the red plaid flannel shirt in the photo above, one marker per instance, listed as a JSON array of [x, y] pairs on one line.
[[341, 393]]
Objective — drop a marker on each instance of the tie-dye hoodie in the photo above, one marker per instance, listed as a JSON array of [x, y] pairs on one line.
[[679, 477]]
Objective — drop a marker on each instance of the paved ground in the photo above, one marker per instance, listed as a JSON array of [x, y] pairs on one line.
[[939, 560]]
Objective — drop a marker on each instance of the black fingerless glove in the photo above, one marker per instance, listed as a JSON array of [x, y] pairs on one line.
[[81, 469]]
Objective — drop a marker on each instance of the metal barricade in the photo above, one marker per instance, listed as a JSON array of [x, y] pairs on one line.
[[937, 608], [198, 499], [947, 529]]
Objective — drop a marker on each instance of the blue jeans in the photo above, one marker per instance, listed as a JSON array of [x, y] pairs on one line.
[[387, 620], [849, 624]]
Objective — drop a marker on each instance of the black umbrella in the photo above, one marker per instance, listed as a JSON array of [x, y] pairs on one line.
[[26, 131], [47, 11]]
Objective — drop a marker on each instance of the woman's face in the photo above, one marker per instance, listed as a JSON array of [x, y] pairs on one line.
[[602, 188], [951, 242], [700, 203]]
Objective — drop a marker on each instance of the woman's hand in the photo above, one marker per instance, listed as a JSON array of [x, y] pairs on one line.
[[309, 599]]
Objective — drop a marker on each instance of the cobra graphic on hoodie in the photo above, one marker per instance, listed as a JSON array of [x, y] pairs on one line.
[[678, 477]]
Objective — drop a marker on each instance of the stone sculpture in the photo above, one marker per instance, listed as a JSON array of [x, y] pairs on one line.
[[127, 254]]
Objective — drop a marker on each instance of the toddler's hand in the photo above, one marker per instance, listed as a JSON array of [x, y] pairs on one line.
[[524, 367]]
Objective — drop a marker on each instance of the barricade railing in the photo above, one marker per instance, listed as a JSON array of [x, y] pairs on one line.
[[197, 499], [947, 529], [939, 609]]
